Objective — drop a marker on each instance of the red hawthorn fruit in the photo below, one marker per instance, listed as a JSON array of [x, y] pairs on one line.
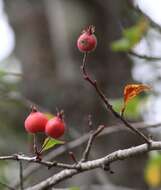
[[55, 127], [87, 41], [35, 122]]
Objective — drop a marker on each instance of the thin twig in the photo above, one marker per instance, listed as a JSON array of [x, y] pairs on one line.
[[36, 152], [48, 164], [148, 58], [72, 156], [107, 104], [90, 142], [21, 174], [34, 143]]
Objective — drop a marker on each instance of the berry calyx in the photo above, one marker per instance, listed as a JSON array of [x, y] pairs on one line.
[[87, 41], [55, 127], [35, 122]]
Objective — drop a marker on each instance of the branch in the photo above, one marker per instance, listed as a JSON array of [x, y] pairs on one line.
[[148, 58], [98, 163], [48, 164], [90, 142], [108, 106], [71, 145], [76, 143]]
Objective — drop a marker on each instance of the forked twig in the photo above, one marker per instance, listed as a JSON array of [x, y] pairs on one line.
[[107, 104], [98, 163], [90, 142]]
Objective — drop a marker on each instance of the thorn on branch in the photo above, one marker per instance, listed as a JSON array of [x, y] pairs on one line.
[[72, 156], [90, 123], [107, 167], [38, 156], [15, 156], [60, 113], [33, 108]]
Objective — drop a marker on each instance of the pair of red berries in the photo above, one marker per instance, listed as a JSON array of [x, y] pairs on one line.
[[38, 122]]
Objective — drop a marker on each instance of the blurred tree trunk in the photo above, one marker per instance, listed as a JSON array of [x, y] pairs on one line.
[[33, 47]]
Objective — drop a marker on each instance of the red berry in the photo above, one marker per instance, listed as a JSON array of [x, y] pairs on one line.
[[36, 122], [55, 127], [87, 41]]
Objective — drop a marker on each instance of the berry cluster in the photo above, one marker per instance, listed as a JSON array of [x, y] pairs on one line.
[[55, 127], [38, 122]]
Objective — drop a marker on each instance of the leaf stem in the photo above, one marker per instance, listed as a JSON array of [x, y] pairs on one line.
[[44, 145]]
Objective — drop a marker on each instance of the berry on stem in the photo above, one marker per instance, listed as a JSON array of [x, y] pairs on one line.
[[55, 127], [35, 122], [87, 41]]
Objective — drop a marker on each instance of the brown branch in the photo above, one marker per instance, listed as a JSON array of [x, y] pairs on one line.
[[148, 58], [108, 106], [90, 142], [98, 163], [36, 151]]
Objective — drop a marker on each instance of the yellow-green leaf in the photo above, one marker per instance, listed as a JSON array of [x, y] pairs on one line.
[[49, 115], [152, 172], [131, 36], [74, 188], [50, 143], [122, 44]]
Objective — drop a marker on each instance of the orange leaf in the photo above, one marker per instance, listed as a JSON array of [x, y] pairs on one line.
[[132, 90]]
